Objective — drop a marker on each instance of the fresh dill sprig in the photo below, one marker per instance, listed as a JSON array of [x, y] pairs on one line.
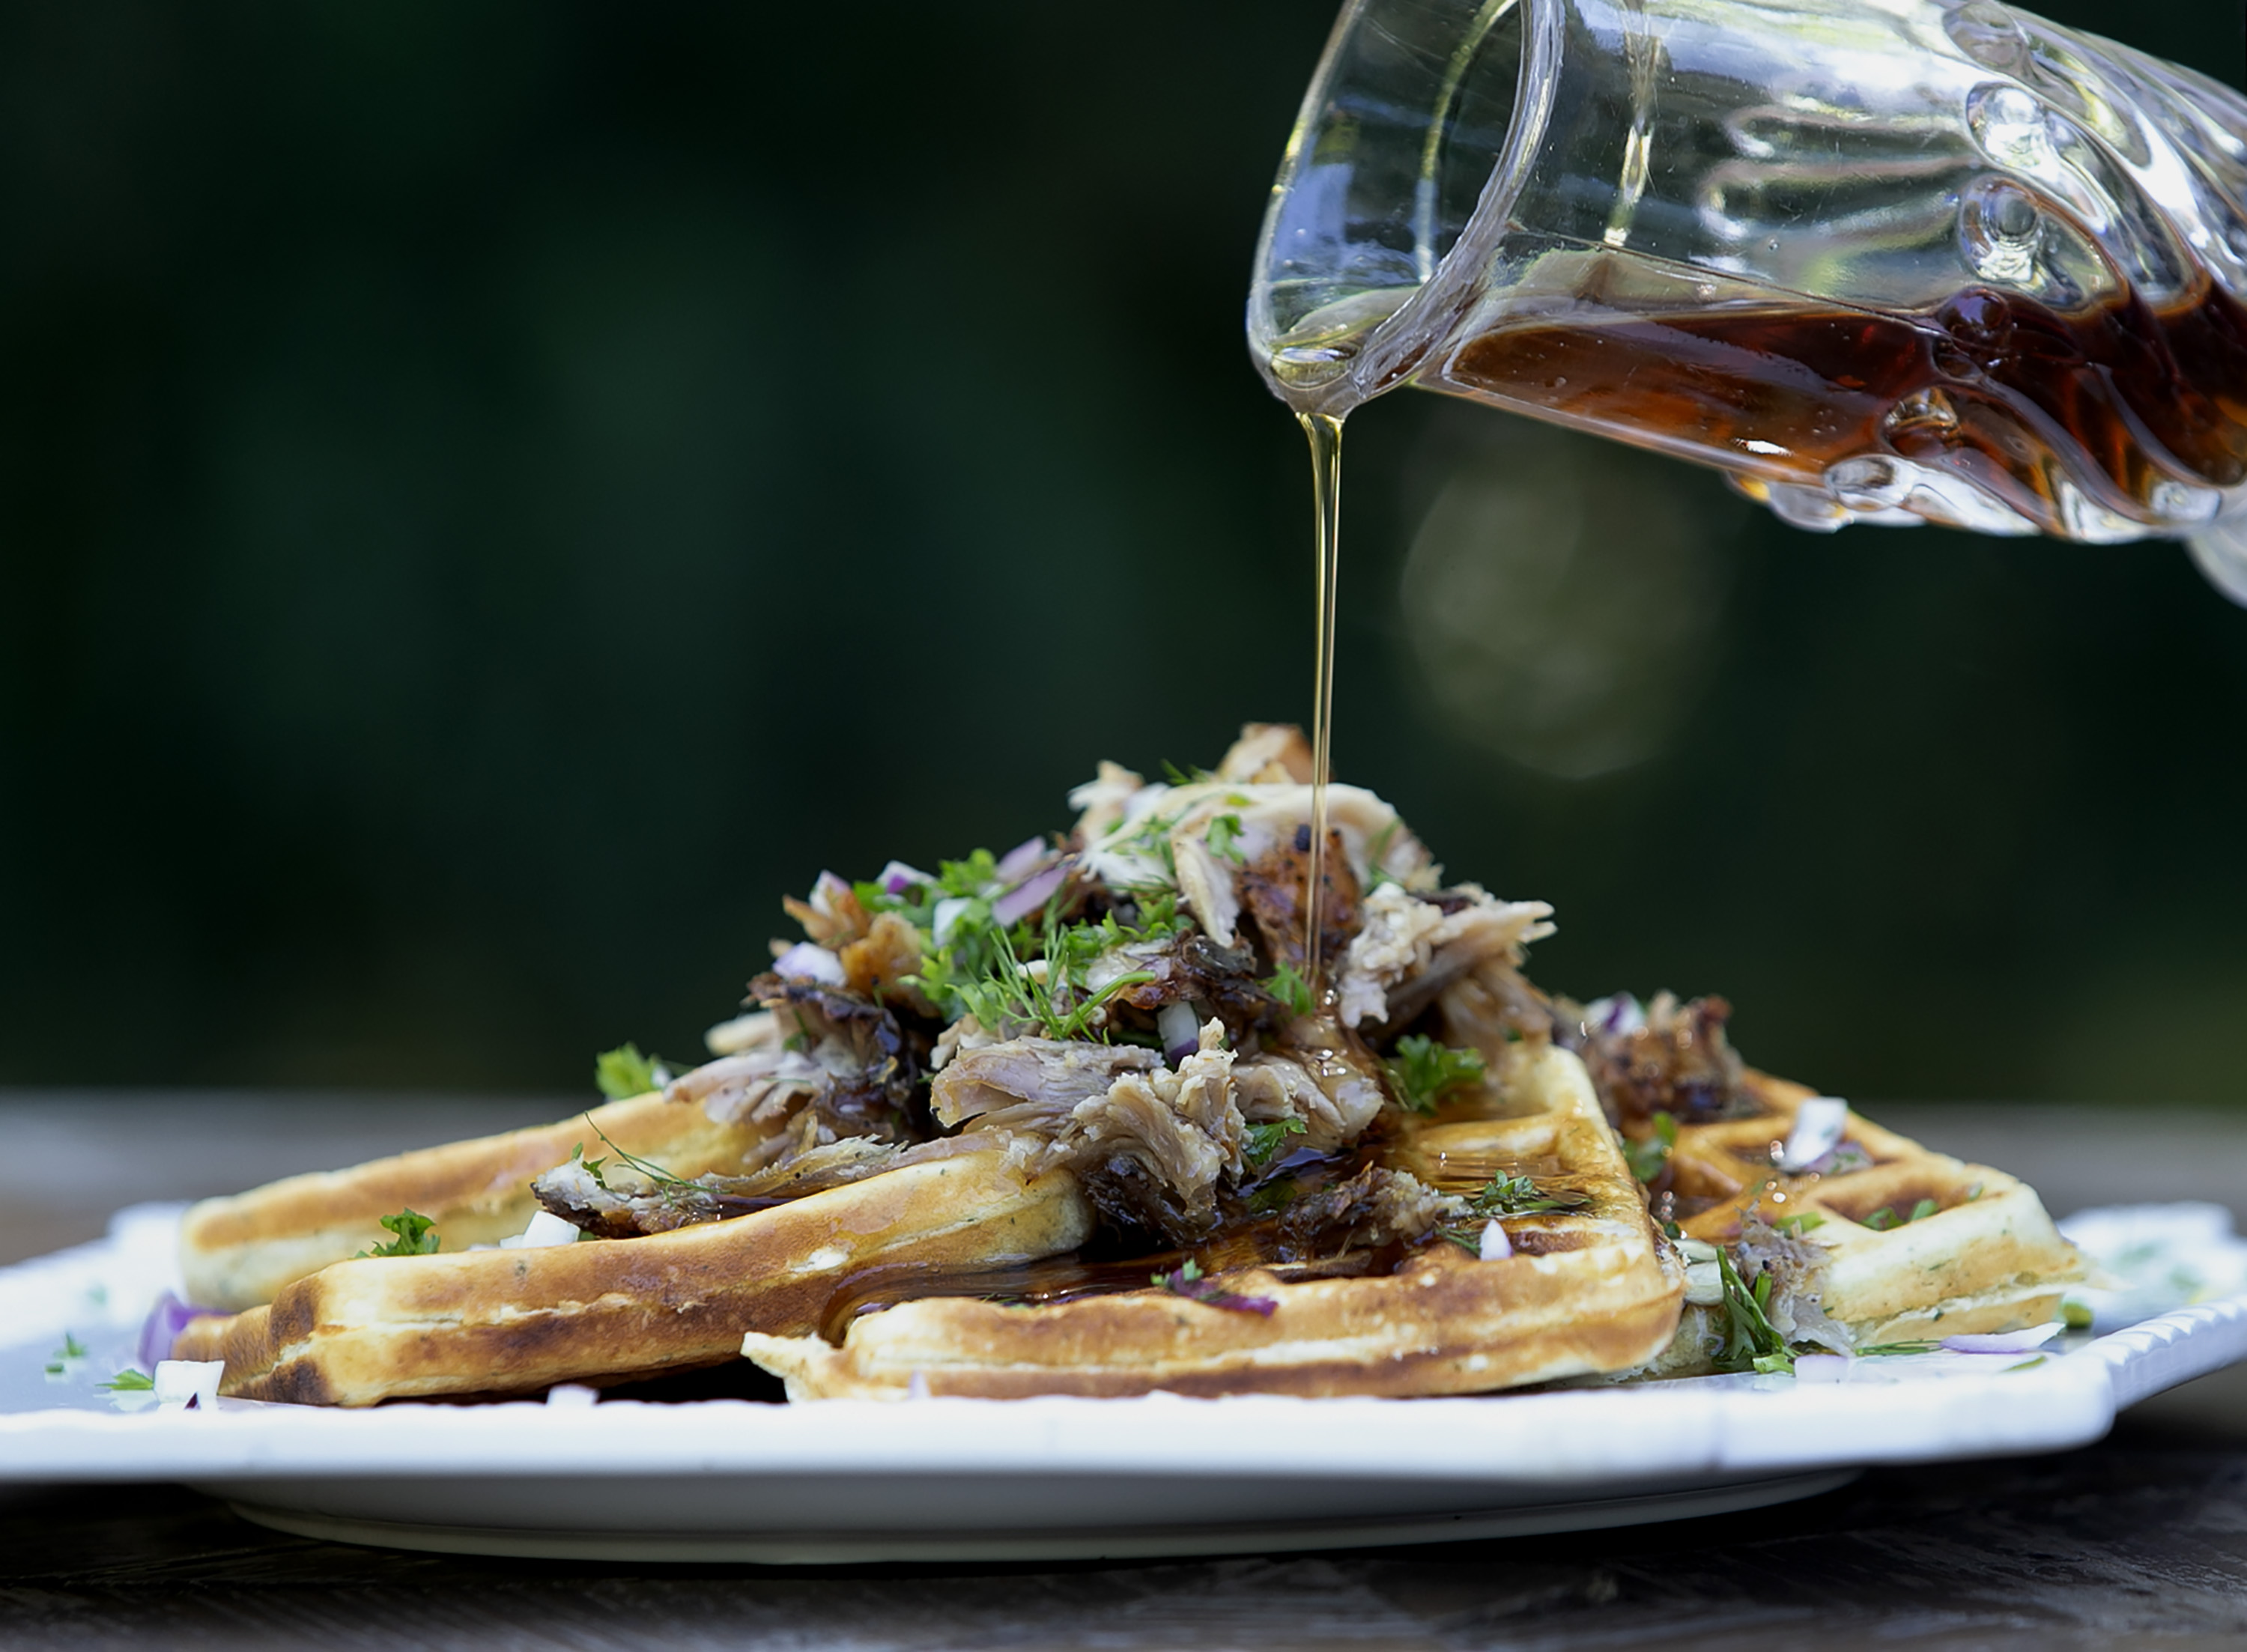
[[1521, 1196], [1013, 992], [654, 1172], [1224, 839], [1424, 1071]]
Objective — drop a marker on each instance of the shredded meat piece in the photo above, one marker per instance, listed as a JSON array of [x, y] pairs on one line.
[[1192, 969], [1410, 948], [866, 1065], [1376, 1207], [1150, 1144], [876, 966], [1674, 1059], [1796, 1266], [1273, 888], [832, 917], [636, 1205]]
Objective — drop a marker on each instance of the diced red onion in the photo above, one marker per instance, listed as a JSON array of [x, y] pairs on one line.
[[1020, 861], [804, 962], [162, 1328], [1820, 1367], [1496, 1246], [1620, 1013], [2005, 1342], [1817, 1126], [1181, 1034], [1020, 901], [897, 877]]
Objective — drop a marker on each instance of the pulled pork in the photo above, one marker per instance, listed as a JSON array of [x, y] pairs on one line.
[[1669, 1058]]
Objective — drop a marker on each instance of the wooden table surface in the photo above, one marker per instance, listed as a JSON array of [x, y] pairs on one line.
[[2142, 1538]]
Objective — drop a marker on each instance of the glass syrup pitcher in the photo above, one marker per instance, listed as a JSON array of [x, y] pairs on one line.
[[1875, 260]]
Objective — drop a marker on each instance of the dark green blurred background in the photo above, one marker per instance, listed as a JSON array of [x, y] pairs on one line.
[[493, 495]]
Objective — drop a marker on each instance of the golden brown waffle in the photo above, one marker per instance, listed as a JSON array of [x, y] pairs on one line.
[[238, 1252], [503, 1321], [1590, 1289], [1914, 1243]]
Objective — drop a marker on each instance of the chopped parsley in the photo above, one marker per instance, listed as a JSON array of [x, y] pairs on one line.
[[1224, 839], [1752, 1342], [59, 1362], [130, 1381], [1800, 1222], [1647, 1159], [2075, 1315], [1287, 984], [1885, 1217], [1521, 1196], [413, 1234], [1261, 1144], [1424, 1071], [623, 1072]]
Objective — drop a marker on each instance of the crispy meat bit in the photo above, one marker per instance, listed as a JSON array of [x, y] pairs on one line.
[[1273, 888], [1374, 1209], [1673, 1058]]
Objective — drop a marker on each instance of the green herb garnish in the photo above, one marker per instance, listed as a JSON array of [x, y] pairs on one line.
[[1646, 1158], [1521, 1196], [1291, 989], [2075, 1315], [1224, 838], [130, 1381], [623, 1072], [1921, 1210], [1261, 1144], [1752, 1342], [1424, 1071], [1882, 1219], [414, 1236], [1800, 1222]]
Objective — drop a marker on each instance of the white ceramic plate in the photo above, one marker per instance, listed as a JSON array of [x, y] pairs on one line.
[[1056, 1478]]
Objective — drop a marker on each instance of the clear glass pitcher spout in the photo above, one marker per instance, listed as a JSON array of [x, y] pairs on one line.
[[1876, 260]]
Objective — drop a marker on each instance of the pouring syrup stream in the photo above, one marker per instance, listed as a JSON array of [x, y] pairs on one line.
[[1325, 432]]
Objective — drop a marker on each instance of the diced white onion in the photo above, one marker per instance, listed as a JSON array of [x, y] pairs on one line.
[[1181, 1037], [179, 1381], [546, 1229], [948, 915], [1496, 1247], [804, 962], [2005, 1342], [1817, 1126], [1704, 1283]]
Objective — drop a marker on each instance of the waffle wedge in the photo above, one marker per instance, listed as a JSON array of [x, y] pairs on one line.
[[1908, 1243], [1592, 1287], [360, 1332], [237, 1252]]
